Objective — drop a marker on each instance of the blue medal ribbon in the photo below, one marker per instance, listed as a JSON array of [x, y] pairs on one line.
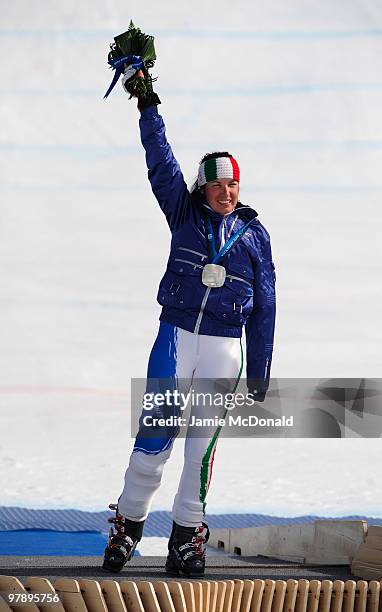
[[119, 65], [216, 256]]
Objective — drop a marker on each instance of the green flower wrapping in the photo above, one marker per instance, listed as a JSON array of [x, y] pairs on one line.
[[136, 43]]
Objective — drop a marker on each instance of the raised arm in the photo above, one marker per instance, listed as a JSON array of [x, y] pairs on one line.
[[164, 172]]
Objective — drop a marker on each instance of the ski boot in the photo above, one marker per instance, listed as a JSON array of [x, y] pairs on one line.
[[121, 544], [187, 554]]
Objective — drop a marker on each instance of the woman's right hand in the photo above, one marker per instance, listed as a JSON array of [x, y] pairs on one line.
[[131, 72]]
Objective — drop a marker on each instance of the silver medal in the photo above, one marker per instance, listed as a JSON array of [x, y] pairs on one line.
[[213, 275]]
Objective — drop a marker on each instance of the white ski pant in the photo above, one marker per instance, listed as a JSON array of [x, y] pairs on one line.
[[198, 363]]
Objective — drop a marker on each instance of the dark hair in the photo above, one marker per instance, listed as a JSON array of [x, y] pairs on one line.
[[206, 157], [214, 155]]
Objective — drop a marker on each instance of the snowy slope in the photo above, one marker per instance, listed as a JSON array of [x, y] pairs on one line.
[[294, 91]]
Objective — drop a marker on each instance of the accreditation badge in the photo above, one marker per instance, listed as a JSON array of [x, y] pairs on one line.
[[213, 275]]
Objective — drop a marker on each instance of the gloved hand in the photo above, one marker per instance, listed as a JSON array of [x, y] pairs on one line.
[[132, 69], [136, 79], [257, 389], [138, 82], [256, 395]]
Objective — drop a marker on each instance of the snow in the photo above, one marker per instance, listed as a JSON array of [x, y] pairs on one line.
[[295, 92]]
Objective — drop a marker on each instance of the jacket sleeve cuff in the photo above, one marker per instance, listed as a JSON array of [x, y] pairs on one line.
[[151, 102]]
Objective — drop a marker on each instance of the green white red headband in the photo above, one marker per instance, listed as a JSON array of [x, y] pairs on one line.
[[218, 168]]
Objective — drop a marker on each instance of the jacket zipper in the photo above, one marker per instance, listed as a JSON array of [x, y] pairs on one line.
[[233, 223], [266, 368], [202, 307], [207, 293], [189, 262], [239, 279], [191, 251], [205, 297], [208, 289]]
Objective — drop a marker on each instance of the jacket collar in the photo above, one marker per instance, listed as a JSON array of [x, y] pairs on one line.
[[245, 212]]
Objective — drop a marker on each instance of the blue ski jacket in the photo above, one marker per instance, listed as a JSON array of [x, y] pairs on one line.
[[247, 297]]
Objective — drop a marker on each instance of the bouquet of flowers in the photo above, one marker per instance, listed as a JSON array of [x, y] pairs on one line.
[[132, 54]]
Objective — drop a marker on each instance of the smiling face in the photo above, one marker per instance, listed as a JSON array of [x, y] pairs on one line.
[[222, 195]]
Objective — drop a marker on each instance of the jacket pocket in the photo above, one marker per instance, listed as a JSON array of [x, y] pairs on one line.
[[185, 267], [240, 279], [235, 304], [181, 285], [244, 272], [236, 297]]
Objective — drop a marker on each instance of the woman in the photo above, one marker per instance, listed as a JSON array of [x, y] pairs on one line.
[[219, 279]]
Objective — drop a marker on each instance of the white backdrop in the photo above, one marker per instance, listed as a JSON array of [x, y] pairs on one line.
[[294, 91]]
